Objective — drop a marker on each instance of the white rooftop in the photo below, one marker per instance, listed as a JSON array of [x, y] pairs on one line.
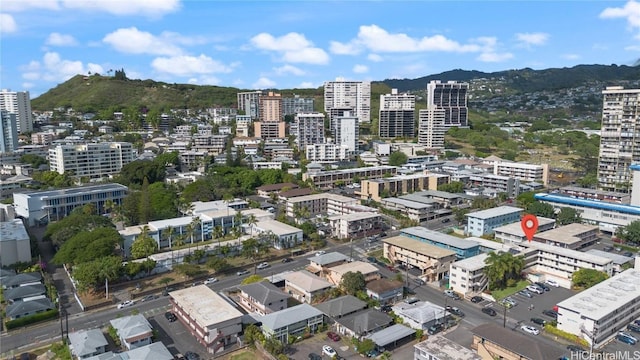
[[355, 216], [277, 227], [409, 203], [473, 263], [444, 349], [205, 306], [436, 236], [606, 297], [569, 253], [355, 266], [567, 234], [516, 228], [13, 230], [494, 212], [616, 258]]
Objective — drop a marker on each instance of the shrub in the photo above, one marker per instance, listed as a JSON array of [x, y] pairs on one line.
[[23, 321], [512, 282], [565, 335]]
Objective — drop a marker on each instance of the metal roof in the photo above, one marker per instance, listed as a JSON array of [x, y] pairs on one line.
[[391, 334]]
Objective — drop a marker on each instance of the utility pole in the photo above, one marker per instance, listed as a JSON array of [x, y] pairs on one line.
[[504, 316]]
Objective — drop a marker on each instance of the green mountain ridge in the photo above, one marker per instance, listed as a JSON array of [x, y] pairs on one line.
[[95, 93]]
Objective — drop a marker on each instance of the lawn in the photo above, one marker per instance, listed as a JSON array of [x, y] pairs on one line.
[[244, 355], [501, 294]]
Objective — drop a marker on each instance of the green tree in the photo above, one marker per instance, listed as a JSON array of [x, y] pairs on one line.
[[254, 250], [629, 233], [398, 158], [567, 216], [524, 199], [365, 346], [166, 281], [34, 160], [253, 334], [87, 246], [586, 278], [217, 264], [92, 274], [501, 267], [541, 209], [252, 279], [353, 282], [452, 187], [144, 245]]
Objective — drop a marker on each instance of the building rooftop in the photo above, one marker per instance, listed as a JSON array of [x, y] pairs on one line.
[[444, 349], [383, 285], [289, 316], [569, 253], [391, 334], [399, 178], [204, 305], [355, 266], [525, 346], [435, 236], [616, 258], [354, 216], [494, 212], [423, 203], [419, 247], [420, 312], [473, 263], [490, 244], [567, 234], [592, 204], [365, 321], [441, 194], [76, 190], [132, 326], [307, 281], [13, 230], [350, 170], [85, 342], [334, 197], [277, 227], [174, 222], [600, 300], [328, 258], [341, 306], [516, 228], [277, 187], [263, 292]]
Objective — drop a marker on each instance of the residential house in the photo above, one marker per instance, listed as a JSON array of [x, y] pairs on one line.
[[363, 323], [262, 298], [370, 271], [25, 308], [385, 291], [341, 306], [153, 351], [420, 315], [134, 331], [305, 286], [320, 264], [87, 343], [293, 321], [25, 293], [22, 279]]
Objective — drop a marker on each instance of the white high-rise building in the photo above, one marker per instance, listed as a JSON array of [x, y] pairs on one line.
[[8, 127], [249, 102], [91, 160], [619, 140], [19, 103], [452, 97], [346, 130], [397, 115], [308, 129], [431, 128], [349, 94]]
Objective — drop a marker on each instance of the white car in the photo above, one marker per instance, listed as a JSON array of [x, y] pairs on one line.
[[552, 282], [328, 350], [535, 289], [530, 329], [125, 304], [321, 252], [210, 281], [263, 265]]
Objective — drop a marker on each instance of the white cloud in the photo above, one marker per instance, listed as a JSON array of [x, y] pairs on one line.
[[571, 56], [55, 69], [375, 58], [263, 83], [339, 48], [188, 65], [630, 12], [360, 69], [306, 85], [494, 57], [531, 39], [632, 48], [28, 85], [289, 69], [134, 41], [145, 8], [57, 39], [7, 24], [294, 48], [22, 5]]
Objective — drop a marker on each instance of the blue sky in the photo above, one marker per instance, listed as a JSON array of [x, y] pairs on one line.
[[301, 44]]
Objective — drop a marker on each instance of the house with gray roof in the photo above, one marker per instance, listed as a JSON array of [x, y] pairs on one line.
[[153, 351], [25, 308], [320, 264], [363, 323], [25, 293], [305, 286], [262, 298], [385, 290], [22, 279], [293, 321], [420, 315], [134, 331], [6, 273], [392, 336], [87, 343], [342, 306]]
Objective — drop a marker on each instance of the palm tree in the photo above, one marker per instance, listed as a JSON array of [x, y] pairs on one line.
[[237, 223], [227, 198], [218, 233], [496, 269], [109, 206], [251, 221], [168, 234], [196, 223]]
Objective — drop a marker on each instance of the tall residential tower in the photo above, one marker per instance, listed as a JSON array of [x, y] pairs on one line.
[[397, 115], [355, 95], [452, 97], [19, 103]]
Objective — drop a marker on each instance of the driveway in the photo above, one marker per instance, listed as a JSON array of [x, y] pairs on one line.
[[301, 350]]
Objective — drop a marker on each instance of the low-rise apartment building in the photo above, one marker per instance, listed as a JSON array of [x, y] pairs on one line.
[[493, 341], [461, 247], [327, 153], [280, 235], [438, 347], [523, 171], [328, 179], [376, 189], [15, 244], [369, 271], [325, 204], [417, 211], [91, 160], [262, 298], [467, 277], [513, 233], [483, 222], [571, 236], [356, 225], [433, 261], [306, 287]]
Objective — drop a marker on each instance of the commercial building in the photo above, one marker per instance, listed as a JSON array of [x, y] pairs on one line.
[[618, 141], [296, 104], [355, 95], [513, 233], [345, 130], [324, 179], [431, 128], [397, 115], [522, 171], [452, 98], [462, 248], [15, 245], [432, 261], [9, 129], [18, 103], [438, 347], [571, 236], [91, 160], [598, 313], [483, 222], [492, 341], [308, 129], [208, 316], [43, 206], [356, 225]]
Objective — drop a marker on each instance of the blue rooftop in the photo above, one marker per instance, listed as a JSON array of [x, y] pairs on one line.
[[594, 204]]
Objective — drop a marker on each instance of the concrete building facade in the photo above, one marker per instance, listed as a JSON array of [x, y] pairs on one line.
[[91, 160], [452, 98], [355, 95]]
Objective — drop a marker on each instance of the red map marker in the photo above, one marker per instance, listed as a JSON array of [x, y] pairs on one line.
[[529, 225]]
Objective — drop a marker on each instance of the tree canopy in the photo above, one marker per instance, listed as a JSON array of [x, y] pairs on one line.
[[143, 246], [501, 267], [629, 233], [398, 158], [93, 274], [352, 282], [586, 278], [567, 216], [79, 220], [87, 246], [541, 209]]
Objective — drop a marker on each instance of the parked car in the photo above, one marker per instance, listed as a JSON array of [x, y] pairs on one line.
[[434, 329], [445, 220], [149, 298], [190, 355], [210, 280], [627, 254], [411, 300], [550, 313], [179, 356], [535, 289], [525, 293], [626, 339], [607, 248], [451, 294], [333, 336], [409, 290], [373, 353], [506, 304], [170, 316], [634, 327], [125, 304], [286, 260], [314, 356], [477, 299], [263, 265], [575, 348], [538, 321], [543, 286], [372, 259], [418, 281], [637, 322], [321, 252], [489, 311], [455, 311], [242, 272], [530, 329], [385, 308], [510, 300], [329, 351], [552, 282]]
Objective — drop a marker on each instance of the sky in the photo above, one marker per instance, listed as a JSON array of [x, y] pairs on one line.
[[301, 44]]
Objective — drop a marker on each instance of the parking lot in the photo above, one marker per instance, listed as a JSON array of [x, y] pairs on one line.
[[301, 350], [180, 340]]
